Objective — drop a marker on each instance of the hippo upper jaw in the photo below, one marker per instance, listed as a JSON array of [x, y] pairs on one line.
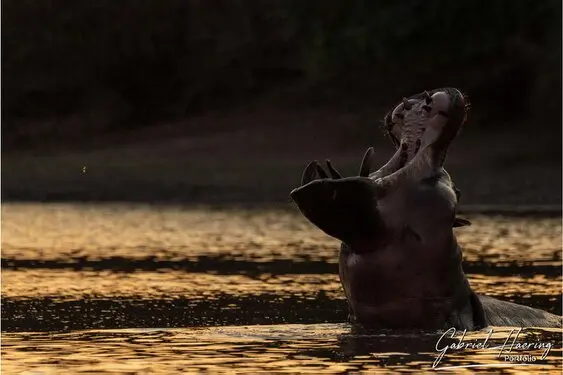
[[428, 119]]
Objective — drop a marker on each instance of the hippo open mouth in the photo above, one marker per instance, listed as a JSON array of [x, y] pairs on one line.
[[357, 210]]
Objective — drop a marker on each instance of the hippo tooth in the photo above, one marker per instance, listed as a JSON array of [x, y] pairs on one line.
[[365, 167], [333, 172], [309, 173], [321, 171]]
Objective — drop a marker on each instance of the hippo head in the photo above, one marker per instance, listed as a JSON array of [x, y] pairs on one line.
[[358, 210]]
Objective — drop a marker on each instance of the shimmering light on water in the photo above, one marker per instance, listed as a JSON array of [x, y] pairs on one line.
[[74, 231], [141, 289], [310, 348], [167, 284]]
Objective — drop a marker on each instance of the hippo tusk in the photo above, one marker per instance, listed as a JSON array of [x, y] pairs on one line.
[[333, 172], [309, 173], [365, 167], [321, 171]]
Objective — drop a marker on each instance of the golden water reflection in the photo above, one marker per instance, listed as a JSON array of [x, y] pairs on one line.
[[315, 348], [39, 283], [63, 231], [35, 283], [67, 268]]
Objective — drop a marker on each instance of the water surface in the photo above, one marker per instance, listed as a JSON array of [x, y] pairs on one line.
[[132, 288]]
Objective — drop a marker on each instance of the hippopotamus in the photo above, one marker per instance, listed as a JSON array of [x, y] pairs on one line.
[[400, 264]]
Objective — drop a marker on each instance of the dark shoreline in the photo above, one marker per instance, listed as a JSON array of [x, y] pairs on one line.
[[471, 209], [502, 172]]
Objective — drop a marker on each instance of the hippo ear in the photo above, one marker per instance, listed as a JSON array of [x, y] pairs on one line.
[[461, 222], [457, 193]]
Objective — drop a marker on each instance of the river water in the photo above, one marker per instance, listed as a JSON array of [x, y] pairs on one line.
[[163, 289]]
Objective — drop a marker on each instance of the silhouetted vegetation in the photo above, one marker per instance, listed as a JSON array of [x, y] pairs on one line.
[[128, 63]]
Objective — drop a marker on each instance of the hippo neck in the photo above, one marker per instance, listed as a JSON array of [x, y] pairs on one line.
[[413, 302]]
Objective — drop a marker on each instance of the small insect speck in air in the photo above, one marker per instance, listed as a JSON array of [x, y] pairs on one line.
[[84, 169]]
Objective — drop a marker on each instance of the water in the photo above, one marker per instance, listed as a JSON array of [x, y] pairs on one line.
[[141, 289]]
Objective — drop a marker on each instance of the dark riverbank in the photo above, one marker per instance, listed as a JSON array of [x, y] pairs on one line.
[[257, 158]]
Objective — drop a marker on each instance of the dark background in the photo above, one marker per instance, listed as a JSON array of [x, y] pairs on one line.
[[225, 101]]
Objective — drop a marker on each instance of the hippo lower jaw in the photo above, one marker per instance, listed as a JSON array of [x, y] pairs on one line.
[[345, 209]]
